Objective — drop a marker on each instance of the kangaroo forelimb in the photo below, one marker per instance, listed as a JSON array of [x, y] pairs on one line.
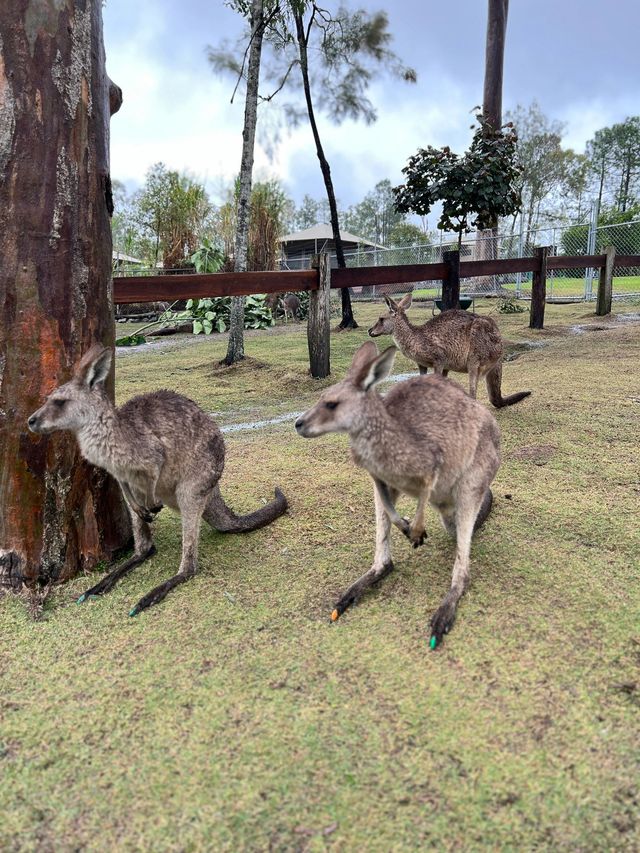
[[414, 531]]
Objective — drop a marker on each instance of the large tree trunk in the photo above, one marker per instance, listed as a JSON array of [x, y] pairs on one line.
[[235, 347], [58, 516], [348, 320]]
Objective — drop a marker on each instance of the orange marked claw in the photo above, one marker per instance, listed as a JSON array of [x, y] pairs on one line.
[[335, 615]]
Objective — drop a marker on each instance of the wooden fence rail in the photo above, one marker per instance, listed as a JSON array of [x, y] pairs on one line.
[[154, 288]]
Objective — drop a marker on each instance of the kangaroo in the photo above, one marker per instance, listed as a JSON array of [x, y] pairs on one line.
[[271, 301], [454, 340], [426, 438], [163, 450], [290, 306]]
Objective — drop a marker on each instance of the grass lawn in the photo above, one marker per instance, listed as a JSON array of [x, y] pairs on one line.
[[234, 716]]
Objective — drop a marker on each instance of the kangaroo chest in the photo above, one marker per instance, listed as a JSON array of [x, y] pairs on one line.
[[389, 469]]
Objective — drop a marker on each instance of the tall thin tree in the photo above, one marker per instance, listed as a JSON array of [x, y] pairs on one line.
[[235, 348], [498, 11], [302, 36]]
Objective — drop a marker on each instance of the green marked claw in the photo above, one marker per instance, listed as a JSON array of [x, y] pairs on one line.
[[433, 642], [81, 599], [133, 611]]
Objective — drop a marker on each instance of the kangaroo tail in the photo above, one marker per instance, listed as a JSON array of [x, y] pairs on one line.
[[494, 387], [485, 509], [223, 518]]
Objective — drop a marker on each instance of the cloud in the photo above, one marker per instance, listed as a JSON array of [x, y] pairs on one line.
[[175, 110]]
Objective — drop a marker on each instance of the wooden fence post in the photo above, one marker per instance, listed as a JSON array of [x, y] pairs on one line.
[[539, 289], [318, 321], [605, 284], [451, 285]]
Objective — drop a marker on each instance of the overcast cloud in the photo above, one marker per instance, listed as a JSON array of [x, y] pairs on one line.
[[578, 58]]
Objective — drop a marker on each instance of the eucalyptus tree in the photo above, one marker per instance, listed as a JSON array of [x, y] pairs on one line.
[[375, 216], [541, 159], [58, 515], [249, 72], [615, 156], [338, 54]]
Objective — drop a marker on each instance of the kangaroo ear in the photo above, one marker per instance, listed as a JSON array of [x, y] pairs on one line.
[[379, 369], [94, 366], [393, 305], [362, 359], [405, 302]]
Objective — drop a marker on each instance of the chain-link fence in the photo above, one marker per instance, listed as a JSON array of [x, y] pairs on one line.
[[562, 285]]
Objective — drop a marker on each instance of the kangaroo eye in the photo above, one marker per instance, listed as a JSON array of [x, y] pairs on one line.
[[331, 405], [59, 404]]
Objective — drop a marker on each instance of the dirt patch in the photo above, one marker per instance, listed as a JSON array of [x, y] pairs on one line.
[[247, 365], [514, 349], [538, 454], [588, 327]]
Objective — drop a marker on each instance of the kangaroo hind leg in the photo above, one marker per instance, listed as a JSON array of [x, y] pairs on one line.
[[191, 503], [382, 564], [143, 549]]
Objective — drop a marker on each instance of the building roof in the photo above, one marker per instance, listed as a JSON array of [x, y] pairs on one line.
[[121, 256], [323, 233]]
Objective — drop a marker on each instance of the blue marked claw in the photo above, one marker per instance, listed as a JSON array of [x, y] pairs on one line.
[[81, 599]]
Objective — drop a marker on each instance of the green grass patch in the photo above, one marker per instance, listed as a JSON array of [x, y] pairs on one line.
[[558, 284], [234, 716]]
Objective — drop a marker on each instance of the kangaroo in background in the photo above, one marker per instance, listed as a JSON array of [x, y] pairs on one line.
[[163, 450], [425, 438], [290, 306], [454, 340]]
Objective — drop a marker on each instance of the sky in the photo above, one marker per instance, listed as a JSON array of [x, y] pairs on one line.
[[578, 58]]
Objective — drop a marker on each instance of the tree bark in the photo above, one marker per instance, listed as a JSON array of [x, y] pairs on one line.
[[348, 320], [58, 515], [235, 347], [492, 99]]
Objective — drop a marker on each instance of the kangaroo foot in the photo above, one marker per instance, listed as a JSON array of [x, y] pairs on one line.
[[159, 592], [416, 537], [109, 581], [353, 594], [148, 514], [442, 622]]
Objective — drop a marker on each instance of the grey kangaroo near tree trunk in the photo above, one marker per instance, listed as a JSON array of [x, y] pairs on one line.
[[425, 438], [163, 450], [454, 340]]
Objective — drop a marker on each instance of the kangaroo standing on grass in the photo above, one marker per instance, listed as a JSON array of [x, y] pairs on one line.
[[454, 340], [425, 438], [163, 450], [290, 306]]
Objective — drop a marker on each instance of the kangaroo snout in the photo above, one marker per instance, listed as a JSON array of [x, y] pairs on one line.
[[34, 422], [299, 425]]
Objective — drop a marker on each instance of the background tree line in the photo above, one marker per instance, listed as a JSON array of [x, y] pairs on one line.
[[172, 214]]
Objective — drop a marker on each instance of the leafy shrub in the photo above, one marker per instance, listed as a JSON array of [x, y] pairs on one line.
[[212, 314], [510, 305], [207, 258]]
